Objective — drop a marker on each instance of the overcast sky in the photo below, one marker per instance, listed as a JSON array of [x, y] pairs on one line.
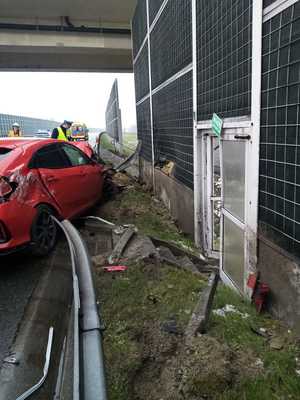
[[65, 95]]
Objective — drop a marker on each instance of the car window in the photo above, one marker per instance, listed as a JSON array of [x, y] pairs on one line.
[[50, 157], [4, 152], [75, 156]]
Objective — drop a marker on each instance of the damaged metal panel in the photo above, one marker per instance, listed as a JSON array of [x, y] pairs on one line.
[[144, 129], [113, 117], [173, 127]]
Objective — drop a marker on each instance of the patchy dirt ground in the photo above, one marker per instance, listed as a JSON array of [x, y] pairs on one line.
[[147, 308], [146, 312]]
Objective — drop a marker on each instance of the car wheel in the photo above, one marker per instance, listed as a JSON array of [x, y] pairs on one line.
[[43, 231]]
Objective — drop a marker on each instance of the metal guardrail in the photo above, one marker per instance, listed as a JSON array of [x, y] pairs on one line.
[[89, 373], [34, 388]]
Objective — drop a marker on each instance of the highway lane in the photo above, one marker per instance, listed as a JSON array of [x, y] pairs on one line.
[[19, 275]]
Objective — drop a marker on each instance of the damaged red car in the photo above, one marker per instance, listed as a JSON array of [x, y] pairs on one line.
[[40, 178]]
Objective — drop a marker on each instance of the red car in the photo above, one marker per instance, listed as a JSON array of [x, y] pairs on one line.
[[40, 178]]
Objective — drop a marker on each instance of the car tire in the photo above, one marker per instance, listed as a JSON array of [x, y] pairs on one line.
[[43, 231]]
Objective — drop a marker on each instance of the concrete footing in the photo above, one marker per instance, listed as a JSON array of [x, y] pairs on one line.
[[281, 272]]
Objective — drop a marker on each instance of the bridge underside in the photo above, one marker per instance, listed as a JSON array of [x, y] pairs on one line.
[[23, 51], [66, 35]]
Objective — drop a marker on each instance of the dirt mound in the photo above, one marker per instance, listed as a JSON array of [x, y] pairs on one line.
[[199, 370]]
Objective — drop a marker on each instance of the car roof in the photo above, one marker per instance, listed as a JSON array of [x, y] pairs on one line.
[[22, 150], [13, 143]]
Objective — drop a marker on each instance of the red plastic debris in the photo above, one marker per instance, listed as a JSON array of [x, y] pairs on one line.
[[260, 295], [115, 268], [252, 280]]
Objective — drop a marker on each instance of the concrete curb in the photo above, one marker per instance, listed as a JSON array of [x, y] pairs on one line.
[[49, 306], [200, 317]]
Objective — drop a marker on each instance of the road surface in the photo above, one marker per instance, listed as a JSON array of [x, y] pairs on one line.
[[19, 275]]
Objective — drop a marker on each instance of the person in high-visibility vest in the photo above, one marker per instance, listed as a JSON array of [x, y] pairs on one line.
[[15, 131], [62, 132]]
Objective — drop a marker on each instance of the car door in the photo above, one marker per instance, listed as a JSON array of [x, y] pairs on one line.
[[91, 174], [63, 181]]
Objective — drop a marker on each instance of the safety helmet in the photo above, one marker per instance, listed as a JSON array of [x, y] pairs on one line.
[[15, 124]]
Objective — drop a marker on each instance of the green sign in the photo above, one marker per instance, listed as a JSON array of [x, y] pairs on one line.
[[216, 124]]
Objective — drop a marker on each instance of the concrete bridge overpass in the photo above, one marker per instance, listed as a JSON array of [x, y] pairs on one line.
[[66, 35]]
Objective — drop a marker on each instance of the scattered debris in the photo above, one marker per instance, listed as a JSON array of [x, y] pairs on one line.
[[122, 179], [171, 327], [277, 343], [99, 260], [115, 268], [229, 309], [119, 230], [11, 359], [166, 255], [260, 295], [149, 309], [251, 284], [141, 248], [131, 159], [180, 254], [111, 185], [258, 291], [157, 201], [152, 298], [259, 363], [259, 331], [168, 168], [121, 244]]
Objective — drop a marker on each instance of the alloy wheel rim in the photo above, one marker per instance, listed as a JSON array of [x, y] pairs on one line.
[[45, 231]]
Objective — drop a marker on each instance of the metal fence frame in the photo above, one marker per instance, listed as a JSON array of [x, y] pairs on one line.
[[28, 125], [113, 117], [152, 91]]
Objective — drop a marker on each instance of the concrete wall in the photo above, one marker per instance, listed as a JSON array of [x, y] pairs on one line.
[[178, 198], [281, 272]]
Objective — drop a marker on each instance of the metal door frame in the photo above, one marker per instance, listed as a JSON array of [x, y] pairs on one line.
[[244, 133], [207, 166], [231, 126]]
